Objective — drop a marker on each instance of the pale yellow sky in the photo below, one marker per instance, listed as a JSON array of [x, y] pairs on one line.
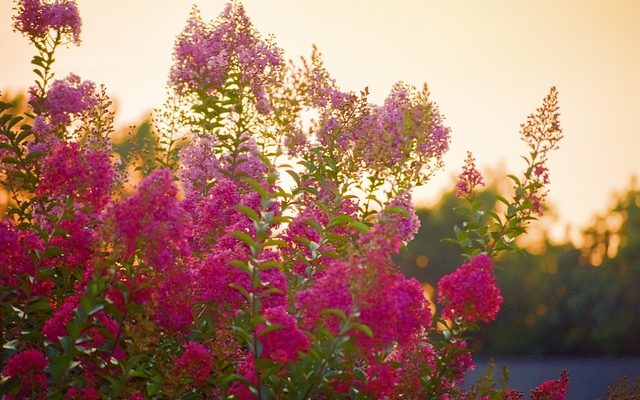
[[488, 63]]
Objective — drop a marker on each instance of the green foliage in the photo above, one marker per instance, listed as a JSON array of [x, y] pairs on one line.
[[562, 299]]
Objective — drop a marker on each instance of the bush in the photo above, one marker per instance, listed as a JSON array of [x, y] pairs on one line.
[[253, 260]]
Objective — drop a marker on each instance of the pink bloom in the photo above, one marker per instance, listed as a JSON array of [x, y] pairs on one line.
[[153, 219], [28, 366], [98, 336], [461, 362], [206, 55], [56, 326], [330, 290], [405, 225], [552, 389], [15, 258], [471, 291], [381, 380], [79, 245], [469, 178], [542, 172], [69, 97], [36, 18], [283, 344], [73, 172], [174, 294], [397, 225], [416, 359], [394, 308], [406, 123], [200, 165], [510, 394], [247, 369], [196, 362]]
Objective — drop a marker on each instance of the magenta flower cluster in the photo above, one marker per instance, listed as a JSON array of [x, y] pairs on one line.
[[29, 366], [469, 178], [471, 291]]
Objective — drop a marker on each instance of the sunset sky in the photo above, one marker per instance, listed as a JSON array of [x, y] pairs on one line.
[[488, 64]]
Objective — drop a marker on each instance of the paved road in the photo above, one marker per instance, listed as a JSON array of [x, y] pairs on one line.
[[589, 378]]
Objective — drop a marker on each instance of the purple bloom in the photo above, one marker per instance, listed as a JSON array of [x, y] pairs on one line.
[[36, 18], [206, 55]]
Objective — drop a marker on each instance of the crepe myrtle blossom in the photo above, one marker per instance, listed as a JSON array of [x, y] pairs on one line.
[[471, 291], [66, 100], [207, 54], [469, 178], [36, 19], [28, 366]]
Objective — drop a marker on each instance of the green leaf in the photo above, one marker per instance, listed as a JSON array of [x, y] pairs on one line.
[[53, 251], [270, 264], [342, 219], [243, 265], [10, 160], [270, 328], [23, 135], [240, 289], [335, 311], [269, 292], [514, 179], [14, 121], [249, 212], [41, 305], [244, 237], [396, 210], [257, 187], [275, 242], [362, 227], [33, 155], [314, 224], [11, 344], [294, 175], [362, 328]]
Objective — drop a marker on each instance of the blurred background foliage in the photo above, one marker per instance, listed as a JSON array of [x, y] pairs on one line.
[[559, 298]]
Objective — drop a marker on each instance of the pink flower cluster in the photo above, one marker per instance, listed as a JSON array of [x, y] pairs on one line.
[[407, 122], [196, 362], [283, 344], [36, 18], [154, 217], [66, 98], [391, 305], [552, 389], [213, 237], [469, 178], [397, 224], [394, 308], [154, 222], [416, 360], [56, 326], [15, 260], [84, 175], [202, 165], [206, 55], [470, 292], [29, 367]]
